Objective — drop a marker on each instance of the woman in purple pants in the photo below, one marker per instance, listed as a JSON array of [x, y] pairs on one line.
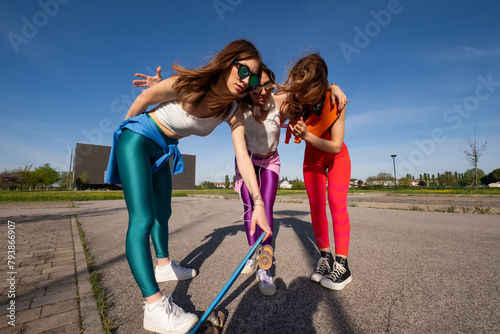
[[262, 134]]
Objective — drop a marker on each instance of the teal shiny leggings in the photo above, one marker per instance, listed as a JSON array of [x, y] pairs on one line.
[[148, 198]]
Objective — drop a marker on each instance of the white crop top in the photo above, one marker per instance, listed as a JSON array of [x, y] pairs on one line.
[[262, 138], [177, 120]]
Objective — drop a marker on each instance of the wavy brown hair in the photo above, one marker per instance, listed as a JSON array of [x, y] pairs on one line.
[[309, 76], [195, 84]]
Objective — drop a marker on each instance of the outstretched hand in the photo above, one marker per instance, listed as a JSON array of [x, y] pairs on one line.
[[148, 80]]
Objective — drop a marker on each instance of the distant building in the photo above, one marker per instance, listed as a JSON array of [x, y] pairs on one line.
[[285, 185], [353, 183], [384, 183], [93, 159], [222, 185]]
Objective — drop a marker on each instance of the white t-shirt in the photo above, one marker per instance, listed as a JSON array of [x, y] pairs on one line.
[[262, 138]]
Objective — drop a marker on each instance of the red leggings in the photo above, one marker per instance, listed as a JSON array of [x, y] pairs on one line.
[[320, 166]]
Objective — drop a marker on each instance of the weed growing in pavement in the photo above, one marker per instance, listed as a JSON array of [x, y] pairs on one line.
[[482, 210], [416, 208], [100, 294]]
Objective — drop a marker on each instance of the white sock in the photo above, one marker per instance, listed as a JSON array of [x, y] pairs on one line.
[[153, 305], [165, 266]]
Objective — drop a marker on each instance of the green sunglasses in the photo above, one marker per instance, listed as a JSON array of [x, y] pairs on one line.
[[244, 71]]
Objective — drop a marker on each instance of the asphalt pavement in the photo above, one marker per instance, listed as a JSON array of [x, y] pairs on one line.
[[413, 271]]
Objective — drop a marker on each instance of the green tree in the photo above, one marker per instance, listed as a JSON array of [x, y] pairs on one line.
[[385, 176], [298, 185], [46, 176], [83, 180], [446, 179], [492, 177], [25, 176], [227, 182], [64, 180], [370, 179], [404, 182], [469, 176], [208, 185]]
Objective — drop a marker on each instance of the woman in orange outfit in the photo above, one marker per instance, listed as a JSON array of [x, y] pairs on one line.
[[305, 96]]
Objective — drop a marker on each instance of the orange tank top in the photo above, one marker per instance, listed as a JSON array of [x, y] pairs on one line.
[[317, 125]]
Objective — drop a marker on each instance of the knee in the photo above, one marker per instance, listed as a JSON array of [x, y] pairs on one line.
[[140, 224]]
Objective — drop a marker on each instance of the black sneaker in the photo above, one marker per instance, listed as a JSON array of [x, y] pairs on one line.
[[339, 276], [323, 267]]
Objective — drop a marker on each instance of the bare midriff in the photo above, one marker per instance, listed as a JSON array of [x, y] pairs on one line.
[[166, 131]]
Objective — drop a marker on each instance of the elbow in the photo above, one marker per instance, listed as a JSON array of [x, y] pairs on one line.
[[335, 148]]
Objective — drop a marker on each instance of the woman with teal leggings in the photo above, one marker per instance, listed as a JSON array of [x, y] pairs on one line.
[[148, 203], [191, 102]]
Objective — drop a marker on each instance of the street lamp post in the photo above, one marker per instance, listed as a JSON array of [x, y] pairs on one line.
[[393, 156]]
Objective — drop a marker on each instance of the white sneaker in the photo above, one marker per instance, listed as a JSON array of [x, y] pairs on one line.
[[167, 318], [266, 284], [173, 272], [249, 266]]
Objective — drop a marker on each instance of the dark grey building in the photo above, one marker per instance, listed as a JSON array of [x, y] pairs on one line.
[[92, 160]]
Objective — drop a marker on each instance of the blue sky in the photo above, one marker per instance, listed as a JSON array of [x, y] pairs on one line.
[[420, 75]]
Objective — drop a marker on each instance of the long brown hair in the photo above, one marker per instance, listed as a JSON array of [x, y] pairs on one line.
[[195, 84], [308, 76]]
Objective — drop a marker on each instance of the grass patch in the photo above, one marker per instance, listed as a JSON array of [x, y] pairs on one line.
[[460, 191], [58, 196], [451, 209], [76, 196], [482, 210], [289, 192], [415, 208], [100, 294]]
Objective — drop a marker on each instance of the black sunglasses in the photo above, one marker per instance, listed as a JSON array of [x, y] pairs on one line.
[[244, 71], [257, 89]]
